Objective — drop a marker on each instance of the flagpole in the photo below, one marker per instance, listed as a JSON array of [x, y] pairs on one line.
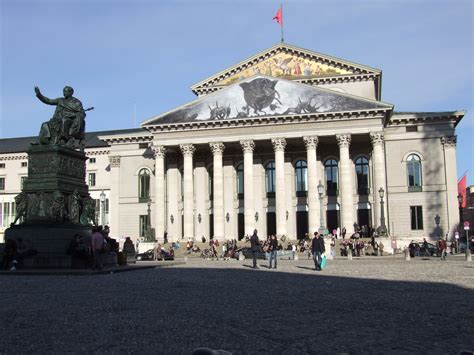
[[281, 9]]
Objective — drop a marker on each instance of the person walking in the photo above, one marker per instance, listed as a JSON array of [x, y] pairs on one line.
[[442, 248], [255, 246], [317, 248], [98, 243], [273, 246]]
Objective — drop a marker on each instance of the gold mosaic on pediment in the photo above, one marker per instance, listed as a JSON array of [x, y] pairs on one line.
[[285, 66]]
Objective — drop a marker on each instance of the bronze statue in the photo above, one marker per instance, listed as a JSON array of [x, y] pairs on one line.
[[21, 205], [68, 123]]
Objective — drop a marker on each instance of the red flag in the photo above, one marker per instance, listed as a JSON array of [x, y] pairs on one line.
[[279, 16], [462, 190]]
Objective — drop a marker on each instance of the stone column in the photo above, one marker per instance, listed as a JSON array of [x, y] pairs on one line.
[[450, 169], [377, 140], [218, 203], [279, 145], [346, 186], [160, 206], [249, 209], [311, 144], [188, 191]]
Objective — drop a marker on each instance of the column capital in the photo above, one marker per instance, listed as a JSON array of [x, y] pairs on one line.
[[343, 140], [377, 138], [187, 149], [217, 147], [159, 150], [279, 144], [449, 141], [114, 161], [247, 145], [311, 142]]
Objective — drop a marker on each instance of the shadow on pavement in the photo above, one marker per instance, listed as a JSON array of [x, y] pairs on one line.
[[176, 310]]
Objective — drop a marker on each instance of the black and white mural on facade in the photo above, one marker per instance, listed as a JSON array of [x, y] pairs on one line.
[[264, 96]]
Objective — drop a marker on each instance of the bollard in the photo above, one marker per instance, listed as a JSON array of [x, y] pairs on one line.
[[468, 255], [185, 259], [349, 255], [407, 254], [296, 257]]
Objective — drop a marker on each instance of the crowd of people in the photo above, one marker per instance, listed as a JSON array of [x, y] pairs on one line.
[[15, 252]]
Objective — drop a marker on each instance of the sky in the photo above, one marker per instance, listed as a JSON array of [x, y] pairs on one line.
[[134, 59]]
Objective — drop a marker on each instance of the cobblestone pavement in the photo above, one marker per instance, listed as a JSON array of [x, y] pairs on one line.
[[372, 305]]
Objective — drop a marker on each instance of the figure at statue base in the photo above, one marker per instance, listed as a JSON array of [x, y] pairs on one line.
[[67, 126]]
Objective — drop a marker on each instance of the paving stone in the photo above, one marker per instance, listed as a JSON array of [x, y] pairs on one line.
[[367, 305]]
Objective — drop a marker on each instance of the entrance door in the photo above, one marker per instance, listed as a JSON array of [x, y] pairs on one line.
[[240, 226], [271, 223], [301, 224], [332, 218], [363, 217]]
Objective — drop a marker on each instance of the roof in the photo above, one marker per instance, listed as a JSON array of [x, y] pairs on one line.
[[17, 145]]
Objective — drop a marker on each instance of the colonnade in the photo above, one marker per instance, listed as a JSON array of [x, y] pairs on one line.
[[347, 185]]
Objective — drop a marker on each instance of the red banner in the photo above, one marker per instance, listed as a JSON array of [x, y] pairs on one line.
[[462, 190], [279, 16]]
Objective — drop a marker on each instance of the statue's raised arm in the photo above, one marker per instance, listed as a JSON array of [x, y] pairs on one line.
[[45, 99], [67, 125]]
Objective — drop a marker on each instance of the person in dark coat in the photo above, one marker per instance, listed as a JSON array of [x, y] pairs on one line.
[[317, 248], [255, 246]]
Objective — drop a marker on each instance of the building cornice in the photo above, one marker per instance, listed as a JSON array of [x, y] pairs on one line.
[[97, 152], [126, 139], [337, 79], [21, 156], [274, 120], [407, 118]]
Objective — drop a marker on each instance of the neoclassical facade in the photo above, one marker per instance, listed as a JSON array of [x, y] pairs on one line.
[[288, 141]]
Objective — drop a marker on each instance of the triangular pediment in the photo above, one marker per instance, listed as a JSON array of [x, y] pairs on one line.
[[286, 62], [262, 95]]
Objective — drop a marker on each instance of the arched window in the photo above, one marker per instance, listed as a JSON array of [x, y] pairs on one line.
[[240, 180], [362, 171], [414, 172], [144, 185], [270, 178], [331, 172], [301, 171]]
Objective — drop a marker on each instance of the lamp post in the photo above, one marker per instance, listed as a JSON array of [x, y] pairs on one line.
[[468, 247], [322, 227], [382, 230], [437, 220], [102, 208], [148, 222]]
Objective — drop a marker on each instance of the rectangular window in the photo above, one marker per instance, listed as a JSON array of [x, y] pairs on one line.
[[2, 183], [2, 165], [416, 217], [24, 164], [143, 225], [92, 160], [22, 182], [91, 179]]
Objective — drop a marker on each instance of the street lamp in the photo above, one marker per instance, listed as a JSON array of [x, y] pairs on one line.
[[382, 230], [437, 220], [148, 224], [460, 202], [102, 208], [322, 227]]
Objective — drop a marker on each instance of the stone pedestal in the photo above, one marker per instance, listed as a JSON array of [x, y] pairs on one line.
[[54, 205]]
